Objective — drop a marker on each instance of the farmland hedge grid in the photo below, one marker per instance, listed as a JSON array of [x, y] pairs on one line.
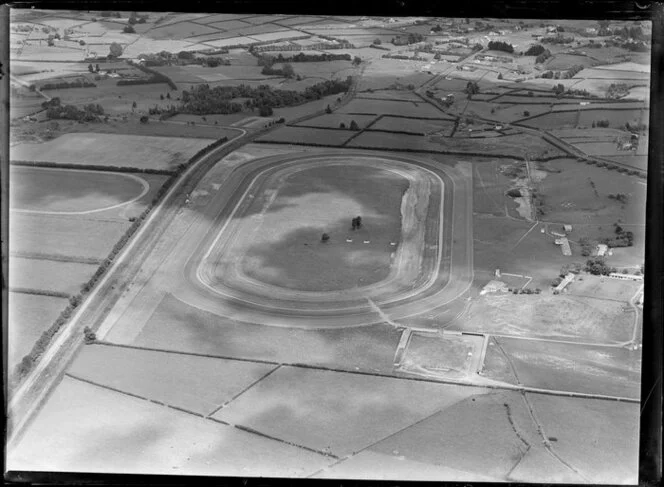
[[28, 361]]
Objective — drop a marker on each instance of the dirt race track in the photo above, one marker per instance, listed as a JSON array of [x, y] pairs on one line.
[[199, 259]]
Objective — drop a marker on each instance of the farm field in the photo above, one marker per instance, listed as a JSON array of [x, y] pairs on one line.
[[177, 326], [49, 275], [561, 366], [554, 120], [113, 150], [390, 95], [66, 236], [578, 200], [616, 118], [303, 135], [71, 191], [550, 316], [295, 112], [580, 425], [381, 140], [29, 315], [198, 384], [636, 161], [462, 426], [448, 355], [603, 287], [334, 411], [368, 465], [596, 148], [181, 30], [333, 120], [616, 75], [564, 61], [398, 124], [163, 441], [324, 197], [382, 107]]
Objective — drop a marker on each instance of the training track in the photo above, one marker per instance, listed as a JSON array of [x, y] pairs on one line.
[[209, 226]]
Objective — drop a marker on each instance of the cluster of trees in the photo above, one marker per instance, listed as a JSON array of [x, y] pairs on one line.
[[79, 83], [558, 89], [472, 88], [619, 197], [155, 78], [600, 123], [501, 46], [636, 127], [286, 71], [518, 290], [404, 57], [597, 266], [617, 90], [534, 50], [622, 238], [305, 58], [543, 56], [356, 223], [203, 100], [89, 113], [137, 19], [558, 39], [412, 38], [586, 246], [93, 69], [129, 29]]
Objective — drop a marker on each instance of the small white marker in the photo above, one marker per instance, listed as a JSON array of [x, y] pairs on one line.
[[393, 243], [349, 240], [367, 241]]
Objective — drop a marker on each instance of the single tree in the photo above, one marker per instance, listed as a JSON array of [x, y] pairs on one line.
[[357, 60], [377, 41], [129, 29], [97, 68], [328, 109], [354, 125], [145, 119], [115, 50], [342, 125], [168, 95], [288, 71], [325, 237], [161, 97], [133, 106], [91, 68]]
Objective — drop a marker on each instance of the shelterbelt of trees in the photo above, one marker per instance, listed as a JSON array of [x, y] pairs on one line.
[[203, 100]]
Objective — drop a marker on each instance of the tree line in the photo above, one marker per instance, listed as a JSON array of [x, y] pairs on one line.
[[203, 100]]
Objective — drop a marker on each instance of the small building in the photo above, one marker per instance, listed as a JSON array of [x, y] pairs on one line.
[[494, 286], [591, 30], [602, 249], [564, 245], [567, 228], [557, 234], [626, 146], [563, 284], [625, 277]]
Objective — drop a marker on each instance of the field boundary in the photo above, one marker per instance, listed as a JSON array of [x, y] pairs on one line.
[[93, 167], [39, 292], [486, 385]]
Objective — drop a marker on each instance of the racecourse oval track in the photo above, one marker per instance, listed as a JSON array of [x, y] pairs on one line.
[[444, 269]]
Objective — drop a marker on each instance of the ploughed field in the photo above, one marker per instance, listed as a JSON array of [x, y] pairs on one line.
[[286, 249]]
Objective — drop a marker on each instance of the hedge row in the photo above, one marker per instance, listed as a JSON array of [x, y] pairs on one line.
[[422, 151], [27, 363], [155, 74], [93, 167], [39, 292]]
